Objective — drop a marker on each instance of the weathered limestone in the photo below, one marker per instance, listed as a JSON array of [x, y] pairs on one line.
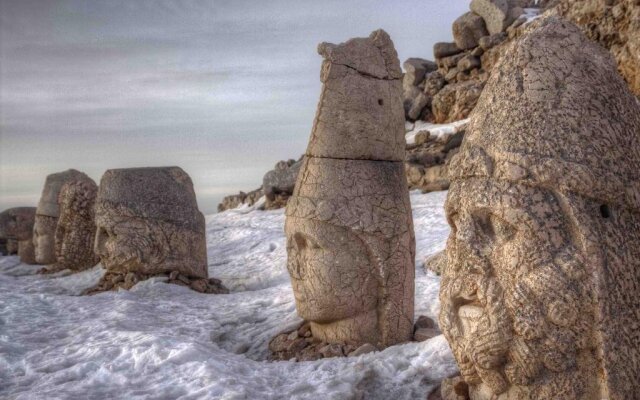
[[349, 229], [16, 225], [148, 222], [540, 292], [48, 212], [75, 232]]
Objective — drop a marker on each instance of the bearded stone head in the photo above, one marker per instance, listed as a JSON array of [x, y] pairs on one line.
[[148, 222], [75, 230], [545, 232]]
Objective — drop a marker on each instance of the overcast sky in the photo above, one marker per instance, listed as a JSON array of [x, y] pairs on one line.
[[223, 89]]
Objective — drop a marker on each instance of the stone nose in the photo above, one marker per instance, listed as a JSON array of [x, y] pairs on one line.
[[466, 230]]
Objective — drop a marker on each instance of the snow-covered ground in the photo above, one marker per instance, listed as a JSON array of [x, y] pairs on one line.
[[161, 341], [439, 131]]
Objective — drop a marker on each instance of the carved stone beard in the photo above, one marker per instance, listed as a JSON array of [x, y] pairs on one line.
[[474, 319], [130, 244]]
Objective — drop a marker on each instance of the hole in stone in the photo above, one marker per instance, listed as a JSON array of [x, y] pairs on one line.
[[380, 101], [605, 211]]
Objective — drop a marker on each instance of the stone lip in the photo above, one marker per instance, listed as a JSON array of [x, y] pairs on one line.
[[49, 202], [160, 193], [17, 223]]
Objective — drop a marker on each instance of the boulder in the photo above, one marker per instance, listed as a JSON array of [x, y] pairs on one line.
[[490, 41], [236, 200], [445, 49], [281, 179], [415, 70], [433, 82], [494, 12], [456, 101], [467, 30], [468, 63]]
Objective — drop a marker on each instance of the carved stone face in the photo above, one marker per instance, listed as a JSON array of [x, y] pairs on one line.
[[330, 271], [514, 301], [44, 231]]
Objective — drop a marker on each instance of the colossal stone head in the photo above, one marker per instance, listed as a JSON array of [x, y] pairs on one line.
[[349, 228], [75, 232], [148, 222], [48, 212], [539, 298], [16, 224]]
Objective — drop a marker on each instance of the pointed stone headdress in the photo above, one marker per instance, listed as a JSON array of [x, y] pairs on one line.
[[49, 204]]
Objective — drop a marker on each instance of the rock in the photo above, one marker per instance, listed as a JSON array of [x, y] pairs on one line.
[[199, 285], [436, 262], [451, 76], [76, 228], [159, 227], [424, 322], [435, 394], [304, 330], [293, 335], [538, 103], [477, 52], [433, 82], [354, 167], [488, 42], [468, 62], [444, 49], [456, 101], [418, 105], [423, 334], [467, 30], [47, 214], [131, 279], [279, 343], [239, 199], [332, 350], [416, 69], [364, 349], [494, 12], [422, 137], [454, 389], [451, 61], [281, 179]]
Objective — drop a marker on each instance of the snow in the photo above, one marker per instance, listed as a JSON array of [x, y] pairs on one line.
[[165, 341], [440, 131], [532, 14]]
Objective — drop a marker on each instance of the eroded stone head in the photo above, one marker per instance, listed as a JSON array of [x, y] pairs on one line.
[[48, 212], [148, 222], [543, 191], [16, 224], [75, 231], [349, 230]]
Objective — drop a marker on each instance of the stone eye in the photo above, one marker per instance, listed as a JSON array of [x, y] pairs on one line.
[[502, 229]]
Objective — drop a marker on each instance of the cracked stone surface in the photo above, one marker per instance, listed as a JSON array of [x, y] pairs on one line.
[[76, 229], [539, 294], [47, 214], [16, 224], [148, 223], [350, 239]]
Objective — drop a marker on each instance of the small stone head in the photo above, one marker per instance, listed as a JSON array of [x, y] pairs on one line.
[[47, 214], [75, 231], [148, 221], [17, 223]]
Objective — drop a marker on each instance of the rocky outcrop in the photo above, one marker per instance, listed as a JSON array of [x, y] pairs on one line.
[[539, 292], [236, 200], [451, 92], [278, 184]]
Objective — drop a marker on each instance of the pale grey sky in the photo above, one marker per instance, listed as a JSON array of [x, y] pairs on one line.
[[223, 89]]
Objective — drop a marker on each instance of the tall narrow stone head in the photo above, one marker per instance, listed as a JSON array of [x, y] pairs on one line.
[[148, 222], [16, 224], [75, 232], [48, 212], [539, 298], [349, 228]]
